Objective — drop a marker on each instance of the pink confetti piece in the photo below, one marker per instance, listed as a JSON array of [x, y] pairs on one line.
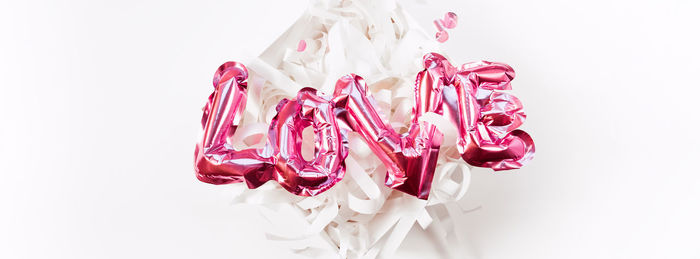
[[302, 46], [441, 36], [438, 25], [450, 20]]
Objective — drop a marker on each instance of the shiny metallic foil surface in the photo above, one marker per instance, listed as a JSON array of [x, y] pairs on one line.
[[471, 96]]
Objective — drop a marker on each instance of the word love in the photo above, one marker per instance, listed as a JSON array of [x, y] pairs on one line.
[[471, 96]]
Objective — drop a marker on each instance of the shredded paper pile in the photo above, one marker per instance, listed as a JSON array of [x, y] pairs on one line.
[[359, 217]]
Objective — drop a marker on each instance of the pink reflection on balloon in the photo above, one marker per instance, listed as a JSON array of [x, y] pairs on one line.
[[450, 20], [216, 161], [328, 165], [442, 36]]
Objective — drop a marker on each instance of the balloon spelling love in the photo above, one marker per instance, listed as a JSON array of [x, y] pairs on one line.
[[472, 97]]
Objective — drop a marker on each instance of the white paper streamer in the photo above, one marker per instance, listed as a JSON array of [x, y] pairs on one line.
[[359, 217]]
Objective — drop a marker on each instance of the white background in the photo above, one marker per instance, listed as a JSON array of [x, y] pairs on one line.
[[100, 106]]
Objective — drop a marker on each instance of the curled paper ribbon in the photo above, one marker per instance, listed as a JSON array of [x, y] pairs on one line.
[[470, 96]]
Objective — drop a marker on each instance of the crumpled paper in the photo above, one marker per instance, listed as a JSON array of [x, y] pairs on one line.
[[358, 218]]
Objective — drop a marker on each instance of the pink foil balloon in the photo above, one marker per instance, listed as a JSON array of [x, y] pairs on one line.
[[472, 96], [411, 158], [485, 116], [217, 162]]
